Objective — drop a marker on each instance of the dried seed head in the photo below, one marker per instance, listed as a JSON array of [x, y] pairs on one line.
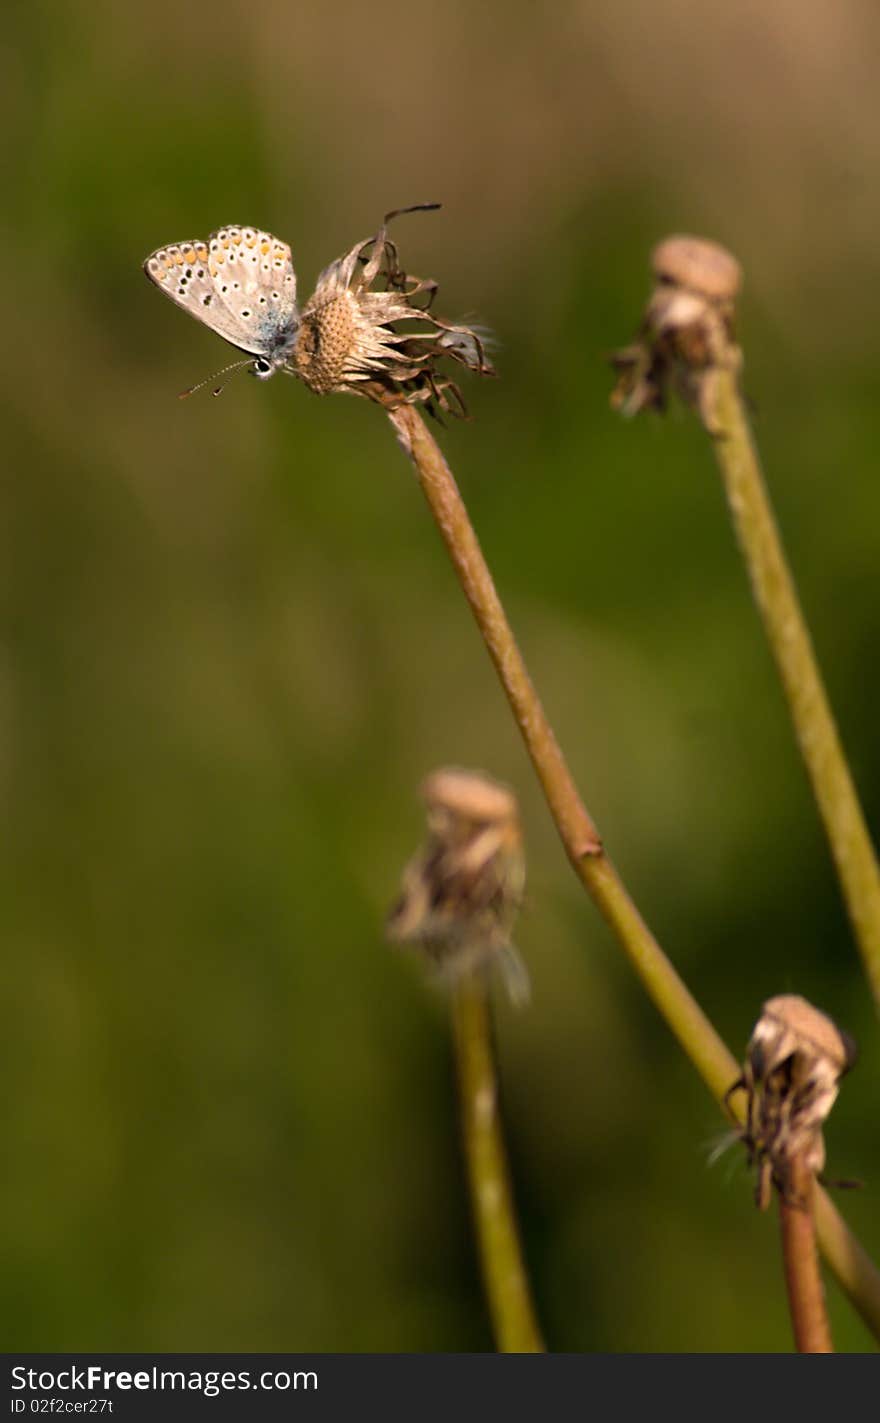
[[794, 1061], [687, 333], [697, 265], [460, 894], [367, 329], [324, 343], [788, 1023], [470, 796]]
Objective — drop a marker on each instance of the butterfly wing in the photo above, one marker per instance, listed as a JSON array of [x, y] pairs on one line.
[[240, 283]]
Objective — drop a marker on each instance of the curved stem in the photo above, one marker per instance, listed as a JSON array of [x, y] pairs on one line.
[[718, 1068], [504, 1272], [786, 630], [803, 1281]]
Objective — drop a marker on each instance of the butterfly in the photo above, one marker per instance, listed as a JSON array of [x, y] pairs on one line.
[[239, 283]]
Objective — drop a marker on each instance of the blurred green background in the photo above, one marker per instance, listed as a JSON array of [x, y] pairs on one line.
[[232, 646]]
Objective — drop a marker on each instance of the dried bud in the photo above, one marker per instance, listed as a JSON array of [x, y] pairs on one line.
[[351, 337], [695, 265], [794, 1061], [460, 894], [687, 334]]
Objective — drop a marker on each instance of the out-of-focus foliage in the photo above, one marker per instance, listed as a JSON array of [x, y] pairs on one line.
[[232, 645]]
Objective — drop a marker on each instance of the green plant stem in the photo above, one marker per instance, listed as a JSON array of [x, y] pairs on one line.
[[786, 630], [505, 1278], [859, 1278], [803, 1280], [853, 1267]]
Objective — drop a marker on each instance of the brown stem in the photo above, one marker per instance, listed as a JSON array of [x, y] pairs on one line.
[[803, 1280], [696, 1035], [579, 834], [504, 1272]]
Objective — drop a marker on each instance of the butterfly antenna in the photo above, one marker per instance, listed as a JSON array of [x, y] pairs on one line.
[[236, 366]]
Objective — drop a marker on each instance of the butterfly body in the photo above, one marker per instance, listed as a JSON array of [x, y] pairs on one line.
[[239, 283]]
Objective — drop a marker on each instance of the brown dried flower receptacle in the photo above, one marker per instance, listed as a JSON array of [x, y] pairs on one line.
[[351, 337], [687, 332], [461, 893], [794, 1061]]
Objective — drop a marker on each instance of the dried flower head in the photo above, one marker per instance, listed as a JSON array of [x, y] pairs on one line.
[[794, 1061], [367, 329], [460, 894], [687, 333]]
